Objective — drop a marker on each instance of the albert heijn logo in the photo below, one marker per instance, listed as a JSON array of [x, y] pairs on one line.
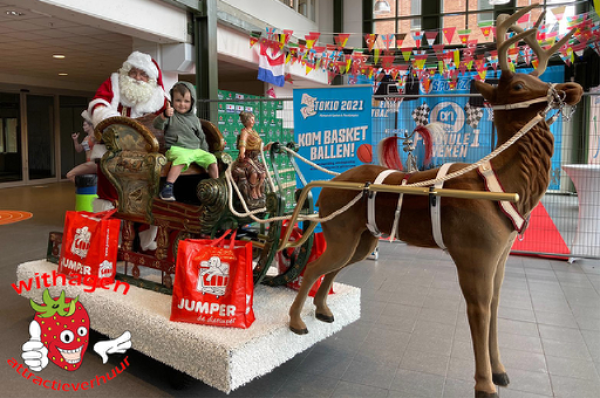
[[81, 242], [213, 276]]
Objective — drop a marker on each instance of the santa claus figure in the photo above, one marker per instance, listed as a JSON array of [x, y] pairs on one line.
[[134, 91]]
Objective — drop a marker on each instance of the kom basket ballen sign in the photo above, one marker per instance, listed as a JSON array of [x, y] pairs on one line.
[[333, 128]]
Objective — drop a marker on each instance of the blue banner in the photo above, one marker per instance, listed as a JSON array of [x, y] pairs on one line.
[[468, 133], [333, 128]]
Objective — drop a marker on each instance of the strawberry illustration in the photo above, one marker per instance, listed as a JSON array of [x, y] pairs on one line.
[[64, 324]]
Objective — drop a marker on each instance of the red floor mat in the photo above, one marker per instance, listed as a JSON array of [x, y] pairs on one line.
[[541, 236]]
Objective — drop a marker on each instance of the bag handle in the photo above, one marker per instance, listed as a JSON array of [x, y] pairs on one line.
[[220, 242], [105, 214]]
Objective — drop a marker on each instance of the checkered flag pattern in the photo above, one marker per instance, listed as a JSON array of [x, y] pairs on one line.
[[473, 115], [421, 115]]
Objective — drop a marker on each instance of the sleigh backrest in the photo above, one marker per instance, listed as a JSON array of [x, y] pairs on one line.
[[135, 160]]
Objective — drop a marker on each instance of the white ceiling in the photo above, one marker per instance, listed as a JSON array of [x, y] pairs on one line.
[[28, 41]]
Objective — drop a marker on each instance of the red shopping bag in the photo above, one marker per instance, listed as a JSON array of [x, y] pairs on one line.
[[89, 247], [318, 248], [213, 283]]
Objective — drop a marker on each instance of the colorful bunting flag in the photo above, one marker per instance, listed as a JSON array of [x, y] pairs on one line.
[[464, 35], [370, 39], [387, 40], [341, 39], [418, 36], [449, 34], [431, 36]]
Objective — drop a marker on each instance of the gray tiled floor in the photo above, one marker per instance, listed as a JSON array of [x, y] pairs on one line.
[[412, 339]]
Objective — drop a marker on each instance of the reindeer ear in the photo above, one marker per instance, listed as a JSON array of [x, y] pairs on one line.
[[487, 90]]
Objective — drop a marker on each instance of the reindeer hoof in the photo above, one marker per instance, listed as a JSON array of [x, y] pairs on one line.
[[500, 379], [483, 394], [299, 331], [325, 318]]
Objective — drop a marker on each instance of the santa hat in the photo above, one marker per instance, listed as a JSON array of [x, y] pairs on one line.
[[147, 64]]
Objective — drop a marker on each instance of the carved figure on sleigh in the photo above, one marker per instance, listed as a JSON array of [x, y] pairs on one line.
[[477, 234], [248, 172]]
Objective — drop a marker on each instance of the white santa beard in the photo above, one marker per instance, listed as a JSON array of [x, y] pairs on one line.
[[135, 92]]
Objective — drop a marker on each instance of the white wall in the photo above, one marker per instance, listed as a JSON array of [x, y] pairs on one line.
[[154, 19], [276, 14], [353, 20]]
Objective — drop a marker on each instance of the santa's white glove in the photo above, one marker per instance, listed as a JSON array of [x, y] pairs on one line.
[[103, 112], [116, 346], [35, 354]]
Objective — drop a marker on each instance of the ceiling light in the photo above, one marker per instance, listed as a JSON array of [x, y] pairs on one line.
[[381, 7], [58, 56], [63, 74], [498, 2], [14, 13]]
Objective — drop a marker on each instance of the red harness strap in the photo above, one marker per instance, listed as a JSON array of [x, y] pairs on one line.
[[492, 184]]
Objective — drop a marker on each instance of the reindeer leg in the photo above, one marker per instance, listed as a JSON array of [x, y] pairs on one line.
[[476, 278], [336, 255], [499, 376], [365, 247]]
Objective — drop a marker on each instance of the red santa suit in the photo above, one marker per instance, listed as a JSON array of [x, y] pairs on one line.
[[109, 102]]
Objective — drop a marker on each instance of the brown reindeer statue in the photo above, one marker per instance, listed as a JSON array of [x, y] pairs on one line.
[[477, 233]]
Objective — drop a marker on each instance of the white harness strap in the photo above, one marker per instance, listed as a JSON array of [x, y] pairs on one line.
[[371, 223], [492, 184], [435, 205]]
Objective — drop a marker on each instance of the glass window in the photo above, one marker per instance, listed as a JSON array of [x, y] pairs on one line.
[[484, 16], [406, 16]]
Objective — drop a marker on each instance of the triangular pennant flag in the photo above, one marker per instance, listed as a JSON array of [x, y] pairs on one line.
[[559, 12], [400, 39], [431, 36], [464, 35], [406, 52], [330, 76], [449, 34], [341, 39], [270, 33], [524, 18], [418, 36], [311, 39], [486, 30], [370, 39], [513, 54], [253, 41], [420, 61], [285, 37], [387, 40], [456, 57], [376, 55], [439, 50], [387, 61], [481, 74]]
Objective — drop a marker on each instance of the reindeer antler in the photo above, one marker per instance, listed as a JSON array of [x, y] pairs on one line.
[[506, 22], [543, 55], [503, 24]]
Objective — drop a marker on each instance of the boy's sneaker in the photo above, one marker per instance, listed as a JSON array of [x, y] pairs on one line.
[[167, 193]]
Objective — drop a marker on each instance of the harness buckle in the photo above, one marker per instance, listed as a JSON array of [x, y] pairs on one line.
[[366, 190], [432, 197]]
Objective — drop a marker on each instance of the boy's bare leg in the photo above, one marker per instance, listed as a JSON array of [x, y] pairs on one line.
[[174, 173]]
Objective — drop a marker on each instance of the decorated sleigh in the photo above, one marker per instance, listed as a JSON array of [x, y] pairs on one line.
[[132, 169]]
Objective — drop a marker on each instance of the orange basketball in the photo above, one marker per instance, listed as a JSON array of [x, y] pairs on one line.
[[365, 153]]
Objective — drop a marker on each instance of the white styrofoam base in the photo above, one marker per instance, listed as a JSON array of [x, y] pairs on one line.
[[224, 358]]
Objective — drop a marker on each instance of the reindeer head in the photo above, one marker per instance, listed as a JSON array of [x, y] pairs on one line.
[[516, 88]]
